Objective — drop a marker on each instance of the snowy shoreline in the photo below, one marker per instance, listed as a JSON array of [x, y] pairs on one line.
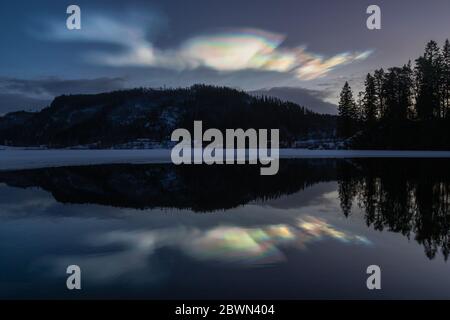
[[15, 159]]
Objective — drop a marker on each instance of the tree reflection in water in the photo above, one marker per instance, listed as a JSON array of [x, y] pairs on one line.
[[407, 196]]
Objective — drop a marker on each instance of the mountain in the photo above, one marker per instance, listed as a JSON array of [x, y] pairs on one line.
[[118, 117], [312, 98]]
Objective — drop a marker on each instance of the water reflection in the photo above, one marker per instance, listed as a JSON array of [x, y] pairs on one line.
[[315, 229], [410, 197], [233, 245], [199, 188], [139, 227], [406, 196]]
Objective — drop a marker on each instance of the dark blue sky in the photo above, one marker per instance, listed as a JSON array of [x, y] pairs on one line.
[[249, 44]]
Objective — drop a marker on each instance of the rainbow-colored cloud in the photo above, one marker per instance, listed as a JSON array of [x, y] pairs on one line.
[[227, 51], [260, 50]]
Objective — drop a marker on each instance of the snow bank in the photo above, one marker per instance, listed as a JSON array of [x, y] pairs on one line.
[[27, 159], [13, 159]]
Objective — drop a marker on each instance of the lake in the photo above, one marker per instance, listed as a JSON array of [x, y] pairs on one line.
[[160, 231]]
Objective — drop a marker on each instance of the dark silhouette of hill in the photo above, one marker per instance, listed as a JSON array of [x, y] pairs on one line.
[[118, 117]]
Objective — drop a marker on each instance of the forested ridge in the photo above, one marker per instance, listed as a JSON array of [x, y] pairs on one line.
[[112, 118], [405, 107]]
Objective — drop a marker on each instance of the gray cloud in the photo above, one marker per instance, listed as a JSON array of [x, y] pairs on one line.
[[53, 86], [34, 94], [314, 100], [15, 102]]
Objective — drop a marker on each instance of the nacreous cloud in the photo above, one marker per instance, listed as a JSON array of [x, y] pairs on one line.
[[240, 49]]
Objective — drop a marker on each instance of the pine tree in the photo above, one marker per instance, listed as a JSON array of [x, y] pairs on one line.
[[445, 79], [360, 107], [398, 92], [347, 112], [428, 76], [379, 78], [369, 105]]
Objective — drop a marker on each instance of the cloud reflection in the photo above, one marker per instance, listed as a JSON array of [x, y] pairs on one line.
[[314, 229], [234, 245], [242, 245]]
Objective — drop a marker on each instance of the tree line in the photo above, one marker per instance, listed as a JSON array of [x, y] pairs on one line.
[[400, 100]]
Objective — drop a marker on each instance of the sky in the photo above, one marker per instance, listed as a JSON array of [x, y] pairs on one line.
[[307, 48]]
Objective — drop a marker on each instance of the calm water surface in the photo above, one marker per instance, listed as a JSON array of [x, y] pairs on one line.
[[160, 231]]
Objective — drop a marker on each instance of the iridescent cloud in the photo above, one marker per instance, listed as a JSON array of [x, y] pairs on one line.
[[313, 66], [259, 50], [233, 50], [243, 49]]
